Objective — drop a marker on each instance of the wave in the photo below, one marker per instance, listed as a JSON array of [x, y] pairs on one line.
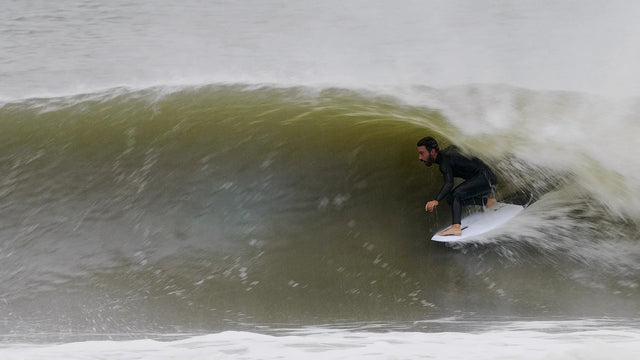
[[226, 204], [558, 339]]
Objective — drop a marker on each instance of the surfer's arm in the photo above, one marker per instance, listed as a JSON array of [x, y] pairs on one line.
[[447, 186]]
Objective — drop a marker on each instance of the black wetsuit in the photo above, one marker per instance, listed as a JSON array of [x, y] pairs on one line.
[[480, 181]]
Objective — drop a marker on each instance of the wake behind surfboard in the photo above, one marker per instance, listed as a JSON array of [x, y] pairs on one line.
[[481, 222]]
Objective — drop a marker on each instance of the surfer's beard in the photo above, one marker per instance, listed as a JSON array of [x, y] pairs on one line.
[[429, 161]]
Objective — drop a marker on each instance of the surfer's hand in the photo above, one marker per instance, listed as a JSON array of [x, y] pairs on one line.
[[431, 205]]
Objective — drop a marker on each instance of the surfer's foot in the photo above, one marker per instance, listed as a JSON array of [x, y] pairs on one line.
[[491, 202], [454, 230]]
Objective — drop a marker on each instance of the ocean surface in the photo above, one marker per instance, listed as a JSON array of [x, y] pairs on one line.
[[239, 180]]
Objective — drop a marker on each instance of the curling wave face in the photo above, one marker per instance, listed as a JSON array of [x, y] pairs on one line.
[[209, 207]]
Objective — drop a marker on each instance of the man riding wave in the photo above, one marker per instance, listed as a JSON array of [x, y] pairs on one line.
[[475, 190]]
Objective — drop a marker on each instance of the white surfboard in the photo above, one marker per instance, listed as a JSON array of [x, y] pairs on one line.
[[483, 221]]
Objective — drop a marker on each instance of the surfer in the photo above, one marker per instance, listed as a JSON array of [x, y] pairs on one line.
[[475, 190]]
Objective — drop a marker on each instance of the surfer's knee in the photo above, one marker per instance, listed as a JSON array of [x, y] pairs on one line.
[[450, 199], [456, 195]]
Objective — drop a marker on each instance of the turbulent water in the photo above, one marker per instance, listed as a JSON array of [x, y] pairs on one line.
[[278, 209]]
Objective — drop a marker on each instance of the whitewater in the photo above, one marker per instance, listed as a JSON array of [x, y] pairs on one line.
[[239, 179]]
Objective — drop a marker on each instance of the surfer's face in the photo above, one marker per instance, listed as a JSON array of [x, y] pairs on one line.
[[425, 156]]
